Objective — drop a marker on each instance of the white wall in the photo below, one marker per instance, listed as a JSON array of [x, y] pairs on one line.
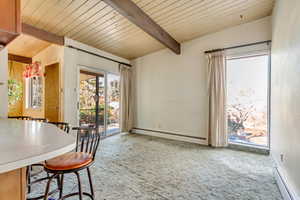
[[73, 61], [3, 82], [171, 90], [50, 55], [285, 96]]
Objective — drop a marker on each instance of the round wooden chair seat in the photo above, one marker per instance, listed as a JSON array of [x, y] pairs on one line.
[[69, 161]]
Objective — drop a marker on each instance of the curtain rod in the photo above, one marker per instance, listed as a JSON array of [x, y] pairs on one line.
[[239, 46], [95, 54]]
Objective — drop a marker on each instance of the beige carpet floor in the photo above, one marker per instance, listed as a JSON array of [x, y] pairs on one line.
[[136, 167]]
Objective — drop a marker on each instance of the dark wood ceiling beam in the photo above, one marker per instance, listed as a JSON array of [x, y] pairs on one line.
[[42, 34], [137, 16], [21, 59]]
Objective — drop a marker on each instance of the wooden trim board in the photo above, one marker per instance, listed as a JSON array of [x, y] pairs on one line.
[[42, 34], [21, 59], [136, 15]]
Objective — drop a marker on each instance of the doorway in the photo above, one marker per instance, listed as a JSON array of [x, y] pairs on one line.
[[52, 97], [99, 101], [248, 100]]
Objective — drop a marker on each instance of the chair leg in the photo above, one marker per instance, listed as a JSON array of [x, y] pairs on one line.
[[28, 169], [58, 182], [79, 185], [48, 186], [61, 186], [91, 182]]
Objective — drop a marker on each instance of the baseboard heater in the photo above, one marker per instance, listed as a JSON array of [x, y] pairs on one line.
[[170, 133], [282, 185]]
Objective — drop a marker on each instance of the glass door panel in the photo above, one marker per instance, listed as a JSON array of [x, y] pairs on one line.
[[113, 104], [100, 94], [101, 105], [248, 100], [87, 103]]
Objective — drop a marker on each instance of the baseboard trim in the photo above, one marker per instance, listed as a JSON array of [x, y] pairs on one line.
[[286, 192], [170, 135]]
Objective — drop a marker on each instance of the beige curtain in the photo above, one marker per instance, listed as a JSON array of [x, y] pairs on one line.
[[217, 98], [126, 117]]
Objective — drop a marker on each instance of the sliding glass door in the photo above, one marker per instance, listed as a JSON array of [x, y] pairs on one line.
[[113, 104], [248, 100], [99, 102]]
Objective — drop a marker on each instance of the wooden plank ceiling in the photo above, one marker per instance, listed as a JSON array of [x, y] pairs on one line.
[[95, 23], [25, 45]]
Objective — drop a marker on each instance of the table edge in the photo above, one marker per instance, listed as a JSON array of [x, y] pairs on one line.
[[36, 159]]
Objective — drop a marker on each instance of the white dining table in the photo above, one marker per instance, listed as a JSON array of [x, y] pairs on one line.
[[23, 143]]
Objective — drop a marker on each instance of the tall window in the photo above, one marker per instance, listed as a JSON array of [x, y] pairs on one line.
[[34, 92], [248, 100]]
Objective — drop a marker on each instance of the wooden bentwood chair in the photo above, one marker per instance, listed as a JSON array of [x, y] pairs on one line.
[[20, 117], [40, 120], [88, 140], [62, 125]]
